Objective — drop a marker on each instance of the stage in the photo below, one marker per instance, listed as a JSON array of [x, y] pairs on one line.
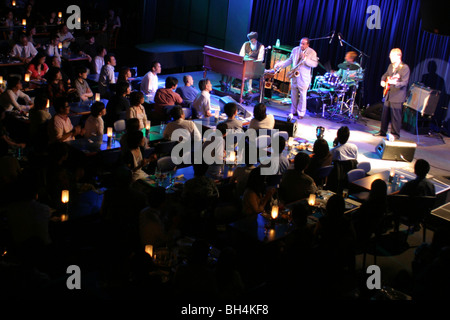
[[431, 148]]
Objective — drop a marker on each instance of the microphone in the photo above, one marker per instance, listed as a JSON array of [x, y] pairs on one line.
[[268, 48], [332, 36], [340, 40]]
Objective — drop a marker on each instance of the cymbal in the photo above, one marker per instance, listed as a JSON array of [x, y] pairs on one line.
[[348, 66]]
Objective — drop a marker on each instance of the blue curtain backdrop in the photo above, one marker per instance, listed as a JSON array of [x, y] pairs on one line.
[[401, 27]]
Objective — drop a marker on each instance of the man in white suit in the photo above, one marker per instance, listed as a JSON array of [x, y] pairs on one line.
[[305, 58]]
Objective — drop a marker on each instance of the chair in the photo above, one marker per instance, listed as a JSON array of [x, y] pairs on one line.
[[337, 180], [355, 174], [165, 164], [119, 125], [365, 166], [323, 174]]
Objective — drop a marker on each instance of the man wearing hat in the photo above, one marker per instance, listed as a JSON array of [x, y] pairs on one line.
[[302, 60], [252, 49]]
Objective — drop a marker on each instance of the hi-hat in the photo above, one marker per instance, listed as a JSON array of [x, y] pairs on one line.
[[348, 66]]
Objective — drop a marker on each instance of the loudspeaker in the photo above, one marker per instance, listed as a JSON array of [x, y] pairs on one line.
[[435, 17], [422, 99], [241, 110], [396, 150], [314, 105], [282, 124]]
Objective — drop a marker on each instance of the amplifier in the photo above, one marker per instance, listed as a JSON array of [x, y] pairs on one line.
[[396, 150], [422, 99]]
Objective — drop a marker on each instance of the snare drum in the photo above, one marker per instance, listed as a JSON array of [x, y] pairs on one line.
[[318, 81]]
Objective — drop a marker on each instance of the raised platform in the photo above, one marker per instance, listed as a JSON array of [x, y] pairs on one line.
[[170, 53]]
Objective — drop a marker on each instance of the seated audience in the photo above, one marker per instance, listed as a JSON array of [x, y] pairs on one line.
[[179, 122], [136, 109], [9, 100], [99, 60], [231, 110], [241, 173], [256, 196], [52, 49], [149, 83], [321, 158], [215, 168], [31, 32], [94, 126], [295, 183], [133, 158], [5, 141], [107, 77], [37, 67], [65, 36], [23, 50], [89, 48], [202, 103], [60, 128], [188, 92], [261, 120], [124, 75], [118, 104], [131, 125], [81, 85], [39, 116], [344, 150], [56, 87], [421, 186], [167, 96]]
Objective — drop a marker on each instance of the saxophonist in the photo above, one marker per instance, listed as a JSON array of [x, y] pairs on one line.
[[303, 58]]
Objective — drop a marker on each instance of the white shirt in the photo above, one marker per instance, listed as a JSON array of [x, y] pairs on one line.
[[202, 104], [149, 83], [63, 37], [30, 50], [8, 100], [253, 47], [346, 151], [98, 63], [94, 126], [53, 51], [107, 75]]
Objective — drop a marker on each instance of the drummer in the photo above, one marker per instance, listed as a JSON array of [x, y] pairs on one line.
[[349, 71]]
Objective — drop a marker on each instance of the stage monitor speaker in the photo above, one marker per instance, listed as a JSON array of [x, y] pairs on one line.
[[282, 124], [422, 99], [241, 110], [435, 16], [396, 150]]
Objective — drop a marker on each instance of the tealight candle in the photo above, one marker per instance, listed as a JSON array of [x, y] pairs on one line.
[[13, 3], [64, 217], [60, 45], [24, 22], [65, 196], [147, 125], [391, 175], [232, 157], [1, 80], [149, 250], [274, 213], [48, 104], [59, 14], [312, 199], [97, 97], [27, 77], [109, 132]]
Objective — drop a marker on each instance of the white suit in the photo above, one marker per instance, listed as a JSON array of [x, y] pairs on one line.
[[300, 84]]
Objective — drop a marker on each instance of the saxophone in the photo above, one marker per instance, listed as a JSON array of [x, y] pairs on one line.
[[294, 71]]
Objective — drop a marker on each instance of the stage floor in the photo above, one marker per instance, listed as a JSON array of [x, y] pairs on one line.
[[431, 148]]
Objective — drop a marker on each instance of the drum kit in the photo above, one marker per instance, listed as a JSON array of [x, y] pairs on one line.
[[338, 94]]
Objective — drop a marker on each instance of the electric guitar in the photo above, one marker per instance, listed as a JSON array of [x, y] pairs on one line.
[[388, 85]]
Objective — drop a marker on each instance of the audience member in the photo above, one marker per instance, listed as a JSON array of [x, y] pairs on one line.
[[131, 125], [9, 100], [52, 49], [37, 67], [231, 110], [5, 141], [295, 183], [256, 195], [261, 120], [321, 158], [39, 117], [217, 153], [24, 50], [241, 173], [94, 126], [82, 86], [149, 83], [344, 150], [188, 92], [60, 127], [31, 32], [118, 104], [421, 186], [136, 109], [152, 228], [179, 122], [89, 48], [55, 85], [202, 103], [99, 60], [133, 158], [124, 75], [65, 36], [107, 77]]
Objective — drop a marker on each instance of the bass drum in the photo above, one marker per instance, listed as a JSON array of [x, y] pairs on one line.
[[331, 80]]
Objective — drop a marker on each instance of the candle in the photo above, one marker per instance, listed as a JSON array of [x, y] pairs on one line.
[[1, 80], [60, 45], [97, 97], [149, 250], [290, 142], [109, 132], [59, 14], [65, 196], [312, 199], [147, 125], [24, 22], [64, 217], [13, 3], [232, 156], [27, 77], [391, 175], [48, 104], [274, 213]]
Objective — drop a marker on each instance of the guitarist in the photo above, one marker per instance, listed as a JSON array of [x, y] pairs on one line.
[[307, 58], [395, 82]]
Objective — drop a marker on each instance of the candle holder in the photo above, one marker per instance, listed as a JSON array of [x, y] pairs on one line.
[[391, 175]]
